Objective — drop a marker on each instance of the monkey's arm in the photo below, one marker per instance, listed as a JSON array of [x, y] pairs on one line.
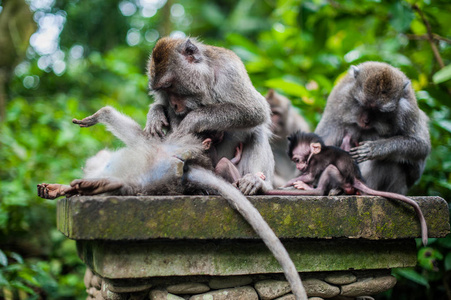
[[156, 119], [122, 126], [222, 117], [307, 178]]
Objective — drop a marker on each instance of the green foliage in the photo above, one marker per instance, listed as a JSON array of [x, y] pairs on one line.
[[300, 48]]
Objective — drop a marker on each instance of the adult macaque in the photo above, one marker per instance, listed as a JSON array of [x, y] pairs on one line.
[[373, 113], [285, 120], [175, 165], [201, 88], [329, 168]]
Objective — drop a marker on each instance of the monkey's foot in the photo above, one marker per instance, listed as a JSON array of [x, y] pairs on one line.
[[52, 191], [86, 122], [250, 184], [301, 185], [95, 186]]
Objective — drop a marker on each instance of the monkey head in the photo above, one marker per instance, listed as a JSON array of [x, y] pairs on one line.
[[280, 106], [379, 90], [302, 146], [179, 73]]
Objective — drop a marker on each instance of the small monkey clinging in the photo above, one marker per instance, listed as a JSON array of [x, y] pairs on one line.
[[328, 168]]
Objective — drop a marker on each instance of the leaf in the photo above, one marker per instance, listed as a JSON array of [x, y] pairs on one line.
[[3, 259], [17, 257], [448, 262], [288, 87], [401, 16], [413, 276], [442, 75]]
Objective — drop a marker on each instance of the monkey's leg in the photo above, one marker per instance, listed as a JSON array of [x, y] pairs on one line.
[[239, 150], [95, 186], [227, 170], [54, 190], [206, 179], [122, 126], [424, 229]]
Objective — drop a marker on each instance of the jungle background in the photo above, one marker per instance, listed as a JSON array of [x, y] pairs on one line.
[[61, 59]]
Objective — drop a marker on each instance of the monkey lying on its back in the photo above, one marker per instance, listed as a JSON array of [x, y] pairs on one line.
[[150, 166]]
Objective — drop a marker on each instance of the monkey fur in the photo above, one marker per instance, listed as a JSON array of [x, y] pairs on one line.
[[329, 168], [373, 113], [200, 88], [284, 120], [151, 166]]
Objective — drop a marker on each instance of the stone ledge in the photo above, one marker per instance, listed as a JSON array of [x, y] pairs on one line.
[[239, 257], [113, 218]]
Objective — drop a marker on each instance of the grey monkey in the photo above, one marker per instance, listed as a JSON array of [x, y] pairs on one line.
[[175, 165], [201, 88], [373, 113], [285, 120]]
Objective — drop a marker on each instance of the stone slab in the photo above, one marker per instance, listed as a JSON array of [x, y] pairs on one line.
[[124, 260], [211, 217]]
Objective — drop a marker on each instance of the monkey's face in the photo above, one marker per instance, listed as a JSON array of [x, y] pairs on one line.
[[300, 156]]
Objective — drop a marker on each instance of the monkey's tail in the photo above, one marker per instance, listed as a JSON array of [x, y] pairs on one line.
[[424, 229], [207, 179], [294, 192]]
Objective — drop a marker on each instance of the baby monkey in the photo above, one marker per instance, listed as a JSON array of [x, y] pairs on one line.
[[329, 168]]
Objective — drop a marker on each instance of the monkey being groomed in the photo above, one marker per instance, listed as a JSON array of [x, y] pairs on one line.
[[151, 166], [326, 169], [373, 113]]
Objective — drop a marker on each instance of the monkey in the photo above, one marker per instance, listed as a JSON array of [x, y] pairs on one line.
[[173, 166], [199, 88], [284, 120], [373, 113], [329, 168]]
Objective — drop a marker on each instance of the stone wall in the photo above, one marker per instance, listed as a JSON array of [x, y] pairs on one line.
[[198, 247], [320, 285]]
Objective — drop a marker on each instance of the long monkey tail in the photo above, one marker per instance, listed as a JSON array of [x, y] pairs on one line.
[[424, 229], [207, 179]]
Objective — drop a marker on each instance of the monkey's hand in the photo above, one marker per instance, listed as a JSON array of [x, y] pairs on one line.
[[301, 185], [156, 121], [87, 122], [364, 151], [250, 184]]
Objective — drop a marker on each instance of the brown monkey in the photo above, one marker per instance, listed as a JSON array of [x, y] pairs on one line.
[[285, 120], [175, 165], [373, 113], [329, 168], [199, 88]]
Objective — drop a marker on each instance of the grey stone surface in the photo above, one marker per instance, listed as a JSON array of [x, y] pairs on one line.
[[322, 217], [188, 288], [369, 286], [244, 292], [271, 289], [229, 281], [319, 288], [286, 297], [159, 294], [340, 278], [239, 257]]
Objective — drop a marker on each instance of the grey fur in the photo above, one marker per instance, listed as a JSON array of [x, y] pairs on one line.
[[219, 97], [392, 150], [285, 120], [175, 165]]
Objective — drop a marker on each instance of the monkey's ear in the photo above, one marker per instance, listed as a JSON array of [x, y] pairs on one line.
[[191, 52], [406, 86], [354, 71], [315, 148]]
